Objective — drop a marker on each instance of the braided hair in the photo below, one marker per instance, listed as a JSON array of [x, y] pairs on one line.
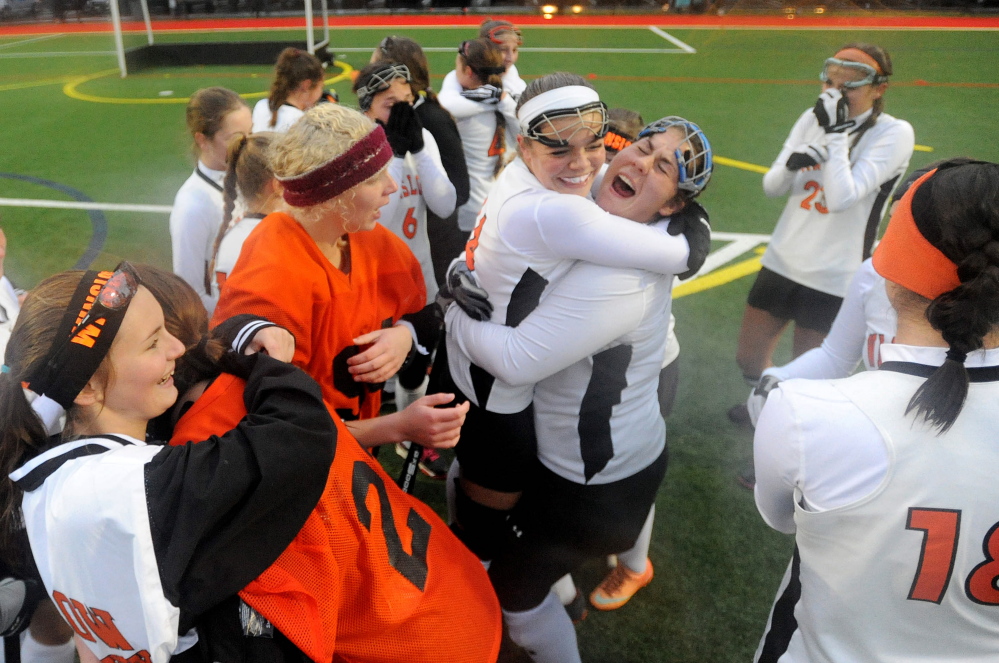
[[293, 66], [957, 211]]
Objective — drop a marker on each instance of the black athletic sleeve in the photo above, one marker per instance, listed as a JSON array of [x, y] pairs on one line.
[[441, 126], [221, 511], [428, 323]]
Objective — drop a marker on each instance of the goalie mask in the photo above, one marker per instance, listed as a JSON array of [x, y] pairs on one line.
[[377, 81], [694, 159], [536, 117]]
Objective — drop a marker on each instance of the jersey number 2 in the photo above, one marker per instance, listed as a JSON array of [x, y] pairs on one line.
[[412, 567], [936, 558]]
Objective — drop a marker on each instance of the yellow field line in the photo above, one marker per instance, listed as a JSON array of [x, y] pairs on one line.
[[718, 277], [38, 83], [70, 89]]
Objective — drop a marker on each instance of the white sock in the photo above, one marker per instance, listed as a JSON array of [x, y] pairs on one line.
[[405, 397], [565, 588], [449, 488], [33, 651], [636, 558], [546, 632]]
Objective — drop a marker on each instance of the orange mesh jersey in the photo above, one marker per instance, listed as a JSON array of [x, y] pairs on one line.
[[374, 575], [283, 276]]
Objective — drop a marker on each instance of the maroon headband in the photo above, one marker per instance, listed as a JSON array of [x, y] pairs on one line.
[[364, 159]]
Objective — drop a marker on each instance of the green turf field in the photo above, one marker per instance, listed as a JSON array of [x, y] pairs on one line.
[[717, 565]]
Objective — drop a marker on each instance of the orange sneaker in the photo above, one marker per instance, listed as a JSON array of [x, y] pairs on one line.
[[619, 586]]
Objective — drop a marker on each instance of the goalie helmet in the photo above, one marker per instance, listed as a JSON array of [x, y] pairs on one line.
[[378, 80], [695, 160]]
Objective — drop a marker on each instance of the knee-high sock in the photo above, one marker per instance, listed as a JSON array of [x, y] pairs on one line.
[[636, 558], [33, 651], [545, 631]]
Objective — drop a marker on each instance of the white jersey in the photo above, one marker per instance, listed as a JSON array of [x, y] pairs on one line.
[[287, 115], [483, 143], [527, 237], [513, 83], [229, 248], [830, 222], [194, 223], [422, 183], [594, 346], [865, 322], [9, 309], [903, 571], [91, 514]]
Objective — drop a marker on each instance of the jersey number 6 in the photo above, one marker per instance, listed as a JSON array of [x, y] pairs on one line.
[[936, 558], [412, 567]]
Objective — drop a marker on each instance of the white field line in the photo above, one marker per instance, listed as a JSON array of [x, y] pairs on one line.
[[738, 244], [449, 49], [687, 48], [55, 54], [28, 41], [72, 204]]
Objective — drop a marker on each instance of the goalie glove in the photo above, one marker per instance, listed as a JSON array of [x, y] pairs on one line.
[[808, 157], [461, 287], [832, 112], [404, 130], [487, 94], [18, 599], [758, 397], [692, 222]]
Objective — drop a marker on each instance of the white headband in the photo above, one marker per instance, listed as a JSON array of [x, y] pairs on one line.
[[562, 98]]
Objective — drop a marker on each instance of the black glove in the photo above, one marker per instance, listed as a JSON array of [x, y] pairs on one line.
[[238, 364], [461, 287], [809, 157], [832, 111], [329, 97], [488, 94], [18, 599], [692, 222], [404, 130]]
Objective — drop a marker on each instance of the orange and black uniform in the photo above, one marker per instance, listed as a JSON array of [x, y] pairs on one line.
[[283, 276], [374, 575]]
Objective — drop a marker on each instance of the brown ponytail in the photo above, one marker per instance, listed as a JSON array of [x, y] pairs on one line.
[[485, 59], [293, 67]]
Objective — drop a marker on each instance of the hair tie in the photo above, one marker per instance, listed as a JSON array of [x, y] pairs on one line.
[[954, 354], [50, 413], [5, 369]]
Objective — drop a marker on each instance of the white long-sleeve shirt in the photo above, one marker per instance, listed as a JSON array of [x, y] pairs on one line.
[[194, 223], [833, 210]]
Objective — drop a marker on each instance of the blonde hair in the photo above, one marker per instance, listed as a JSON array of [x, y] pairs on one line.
[[322, 134]]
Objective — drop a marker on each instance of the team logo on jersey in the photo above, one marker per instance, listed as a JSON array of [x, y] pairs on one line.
[[93, 624]]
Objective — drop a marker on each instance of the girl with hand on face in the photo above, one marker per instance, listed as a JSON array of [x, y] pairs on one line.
[[297, 86], [473, 94], [446, 241], [349, 290], [215, 116], [148, 537], [838, 168], [886, 478]]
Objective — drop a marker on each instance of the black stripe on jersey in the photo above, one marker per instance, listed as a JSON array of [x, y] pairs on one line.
[[36, 477], [602, 393], [976, 374], [525, 297], [212, 183], [874, 218], [482, 383], [782, 622]]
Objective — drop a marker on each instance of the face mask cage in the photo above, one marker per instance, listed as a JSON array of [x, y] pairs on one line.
[[694, 159], [379, 81], [543, 130], [856, 74]]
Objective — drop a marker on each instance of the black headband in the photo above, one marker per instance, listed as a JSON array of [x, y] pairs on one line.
[[85, 335]]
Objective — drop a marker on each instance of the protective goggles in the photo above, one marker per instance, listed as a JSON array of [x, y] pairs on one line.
[[497, 34], [694, 159], [85, 335], [855, 74], [379, 81], [542, 128]]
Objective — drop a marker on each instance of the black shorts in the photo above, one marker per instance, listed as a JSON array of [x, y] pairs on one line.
[[563, 523], [783, 298], [495, 451]]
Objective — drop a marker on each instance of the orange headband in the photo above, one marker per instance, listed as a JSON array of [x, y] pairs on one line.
[[857, 55], [905, 257]]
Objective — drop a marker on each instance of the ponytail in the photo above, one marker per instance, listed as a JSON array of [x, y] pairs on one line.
[[485, 59], [293, 67]]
